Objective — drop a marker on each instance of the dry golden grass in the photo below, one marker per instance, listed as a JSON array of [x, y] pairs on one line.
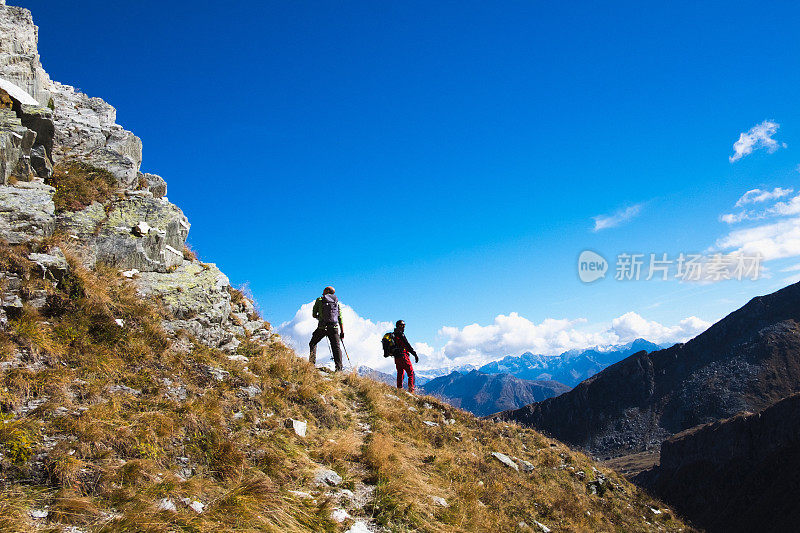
[[78, 184], [107, 458]]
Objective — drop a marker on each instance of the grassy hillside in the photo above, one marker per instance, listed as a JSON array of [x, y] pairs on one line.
[[115, 426]]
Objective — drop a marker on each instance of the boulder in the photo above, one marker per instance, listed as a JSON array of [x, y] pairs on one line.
[[326, 476], [40, 162], [216, 373], [26, 212], [23, 126], [53, 265], [197, 297], [506, 460], [359, 527], [249, 392], [526, 466], [298, 426], [16, 142], [40, 120], [135, 232], [122, 167], [438, 500], [155, 184]]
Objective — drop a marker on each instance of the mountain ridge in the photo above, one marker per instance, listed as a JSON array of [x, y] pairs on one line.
[[735, 474], [485, 394], [744, 362], [570, 367]]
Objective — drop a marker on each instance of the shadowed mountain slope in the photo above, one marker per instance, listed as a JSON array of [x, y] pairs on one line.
[[744, 362], [739, 474]]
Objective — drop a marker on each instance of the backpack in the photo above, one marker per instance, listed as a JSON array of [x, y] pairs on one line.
[[389, 345], [330, 309]]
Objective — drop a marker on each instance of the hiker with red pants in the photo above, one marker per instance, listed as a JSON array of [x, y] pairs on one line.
[[401, 360]]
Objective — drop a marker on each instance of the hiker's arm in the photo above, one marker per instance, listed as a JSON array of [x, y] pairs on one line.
[[315, 309], [409, 347], [341, 324]]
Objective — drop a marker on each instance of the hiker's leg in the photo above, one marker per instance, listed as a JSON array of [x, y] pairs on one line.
[[312, 345], [410, 371], [336, 348], [399, 366]]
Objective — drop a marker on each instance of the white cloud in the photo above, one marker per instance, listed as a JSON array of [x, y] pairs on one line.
[[772, 241], [602, 222], [778, 209], [793, 268], [755, 196], [631, 326], [782, 209], [789, 280], [362, 338], [475, 344], [731, 218], [758, 137], [513, 334]]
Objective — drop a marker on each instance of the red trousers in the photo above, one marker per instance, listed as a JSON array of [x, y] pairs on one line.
[[403, 364]]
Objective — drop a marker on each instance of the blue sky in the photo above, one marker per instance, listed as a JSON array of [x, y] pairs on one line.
[[444, 162]]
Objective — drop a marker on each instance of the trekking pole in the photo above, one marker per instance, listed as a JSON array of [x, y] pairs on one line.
[[345, 352]]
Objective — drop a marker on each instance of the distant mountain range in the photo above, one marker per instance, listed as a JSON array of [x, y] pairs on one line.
[[390, 379], [433, 373], [484, 394], [569, 368], [744, 362]]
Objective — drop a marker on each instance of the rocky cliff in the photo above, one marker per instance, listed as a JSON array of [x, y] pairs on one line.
[[744, 362], [70, 172], [738, 474]]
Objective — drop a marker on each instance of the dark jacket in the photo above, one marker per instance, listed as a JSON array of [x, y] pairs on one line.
[[402, 344]]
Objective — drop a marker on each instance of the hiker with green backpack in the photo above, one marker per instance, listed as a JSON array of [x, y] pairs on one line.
[[329, 324], [396, 345]]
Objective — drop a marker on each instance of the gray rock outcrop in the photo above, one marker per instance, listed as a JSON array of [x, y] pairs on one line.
[[19, 56], [26, 136], [114, 232], [86, 128], [44, 123], [16, 142], [155, 184], [197, 295], [26, 212]]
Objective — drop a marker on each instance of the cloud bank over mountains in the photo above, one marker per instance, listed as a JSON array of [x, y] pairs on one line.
[[477, 344]]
